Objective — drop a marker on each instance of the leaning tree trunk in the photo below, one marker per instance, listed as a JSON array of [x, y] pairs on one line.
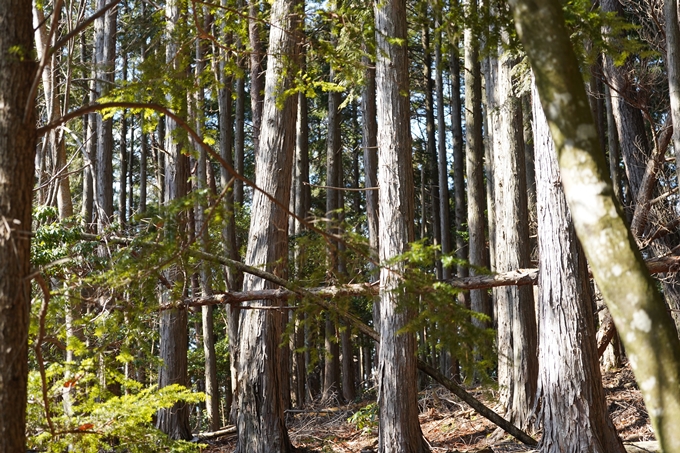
[[397, 394], [636, 152], [17, 150], [573, 408], [261, 423], [637, 307]]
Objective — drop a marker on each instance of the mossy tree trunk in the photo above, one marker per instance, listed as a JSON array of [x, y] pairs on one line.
[[637, 307]]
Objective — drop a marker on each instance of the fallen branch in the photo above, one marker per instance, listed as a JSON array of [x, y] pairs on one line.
[[512, 278], [218, 433], [318, 297]]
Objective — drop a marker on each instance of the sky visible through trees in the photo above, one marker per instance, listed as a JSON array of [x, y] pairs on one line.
[[244, 207]]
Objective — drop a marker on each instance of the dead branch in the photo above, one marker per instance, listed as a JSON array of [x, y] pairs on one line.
[[218, 433]]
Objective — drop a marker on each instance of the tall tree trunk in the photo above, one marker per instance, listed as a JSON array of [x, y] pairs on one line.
[[460, 205], [261, 422], [229, 237], [397, 393], [212, 398], [348, 387], [90, 143], [431, 155], [474, 162], [638, 310], [670, 11], [123, 154], [565, 320], [17, 151], [302, 207], [611, 358], [143, 165], [56, 146], [331, 382], [256, 70], [104, 60], [369, 134], [174, 338], [239, 120], [517, 365], [442, 162]]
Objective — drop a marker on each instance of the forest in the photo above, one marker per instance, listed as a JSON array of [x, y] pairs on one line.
[[274, 226]]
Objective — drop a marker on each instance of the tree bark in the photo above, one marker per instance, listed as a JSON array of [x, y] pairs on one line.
[[474, 163], [256, 71], [331, 374], [516, 316], [17, 151], [638, 310], [431, 158], [174, 338], [397, 393], [442, 163], [672, 28], [261, 422], [104, 60], [565, 320]]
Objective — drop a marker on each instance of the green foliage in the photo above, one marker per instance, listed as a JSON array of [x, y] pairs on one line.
[[95, 422], [449, 324], [366, 418]]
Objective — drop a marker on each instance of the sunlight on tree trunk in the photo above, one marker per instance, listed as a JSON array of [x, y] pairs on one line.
[[261, 421], [397, 394], [637, 307]]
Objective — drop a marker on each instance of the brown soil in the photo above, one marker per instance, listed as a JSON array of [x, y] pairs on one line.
[[448, 424]]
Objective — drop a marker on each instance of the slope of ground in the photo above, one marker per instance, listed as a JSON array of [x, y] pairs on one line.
[[448, 424]]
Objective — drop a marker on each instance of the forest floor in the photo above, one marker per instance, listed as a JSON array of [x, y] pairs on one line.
[[448, 424]]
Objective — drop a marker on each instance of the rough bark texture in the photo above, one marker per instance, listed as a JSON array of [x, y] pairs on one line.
[[442, 161], [369, 134], [460, 206], [397, 394], [573, 408], [104, 55], [517, 360], [256, 72], [17, 150], [431, 154], [638, 310], [261, 422], [173, 324], [348, 386], [474, 163], [636, 153], [331, 381]]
